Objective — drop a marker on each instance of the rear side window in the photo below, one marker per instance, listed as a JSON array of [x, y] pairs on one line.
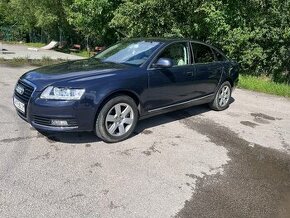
[[202, 53], [219, 56]]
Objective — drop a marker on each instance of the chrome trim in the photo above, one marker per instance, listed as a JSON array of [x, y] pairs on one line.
[[53, 128], [177, 104], [26, 114], [30, 83], [149, 67], [19, 89]]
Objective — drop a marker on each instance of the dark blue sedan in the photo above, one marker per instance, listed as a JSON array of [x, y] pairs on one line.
[[133, 79]]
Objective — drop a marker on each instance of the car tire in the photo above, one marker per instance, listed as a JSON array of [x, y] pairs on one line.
[[222, 97], [117, 119]]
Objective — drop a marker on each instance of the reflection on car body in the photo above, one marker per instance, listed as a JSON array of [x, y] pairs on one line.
[[131, 80]]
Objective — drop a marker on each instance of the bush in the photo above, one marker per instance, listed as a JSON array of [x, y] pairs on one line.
[[255, 32]]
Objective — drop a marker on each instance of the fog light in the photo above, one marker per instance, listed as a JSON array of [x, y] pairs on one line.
[[59, 123]]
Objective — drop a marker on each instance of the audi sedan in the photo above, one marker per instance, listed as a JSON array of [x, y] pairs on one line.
[[131, 80]]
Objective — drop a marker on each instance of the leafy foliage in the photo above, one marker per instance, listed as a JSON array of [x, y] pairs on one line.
[[91, 19], [254, 32]]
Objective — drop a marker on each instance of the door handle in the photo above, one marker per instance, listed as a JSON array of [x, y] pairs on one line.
[[190, 73]]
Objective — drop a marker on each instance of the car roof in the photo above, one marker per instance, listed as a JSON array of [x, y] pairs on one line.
[[170, 40], [164, 40]]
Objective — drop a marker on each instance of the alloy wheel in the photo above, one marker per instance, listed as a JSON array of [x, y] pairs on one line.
[[119, 119], [224, 96]]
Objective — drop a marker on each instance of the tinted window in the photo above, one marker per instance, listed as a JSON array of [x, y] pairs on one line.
[[177, 52], [130, 52], [219, 56], [202, 53]]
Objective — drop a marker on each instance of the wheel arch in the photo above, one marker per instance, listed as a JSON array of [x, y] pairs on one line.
[[230, 80], [115, 93]]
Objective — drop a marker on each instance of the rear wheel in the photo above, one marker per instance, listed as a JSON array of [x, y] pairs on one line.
[[117, 119], [222, 97]]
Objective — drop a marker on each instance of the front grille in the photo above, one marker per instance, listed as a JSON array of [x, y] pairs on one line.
[[28, 90], [46, 121]]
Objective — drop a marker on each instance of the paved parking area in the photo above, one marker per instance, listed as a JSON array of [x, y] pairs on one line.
[[23, 51], [190, 163]]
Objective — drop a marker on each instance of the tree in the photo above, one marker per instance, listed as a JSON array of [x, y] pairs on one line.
[[91, 19], [37, 16], [255, 32], [137, 18]]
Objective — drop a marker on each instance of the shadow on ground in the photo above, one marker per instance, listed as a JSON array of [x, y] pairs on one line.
[[89, 137]]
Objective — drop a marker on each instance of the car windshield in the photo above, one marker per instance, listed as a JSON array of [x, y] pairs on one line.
[[133, 53]]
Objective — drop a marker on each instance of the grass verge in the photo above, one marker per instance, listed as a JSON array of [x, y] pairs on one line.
[[30, 44], [34, 44], [18, 62], [264, 84], [83, 53]]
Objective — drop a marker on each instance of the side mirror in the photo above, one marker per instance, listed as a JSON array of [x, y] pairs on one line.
[[163, 63]]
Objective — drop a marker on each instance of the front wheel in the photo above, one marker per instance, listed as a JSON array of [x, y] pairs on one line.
[[222, 97], [117, 119]]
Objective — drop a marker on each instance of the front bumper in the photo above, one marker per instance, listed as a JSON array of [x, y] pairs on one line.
[[79, 115]]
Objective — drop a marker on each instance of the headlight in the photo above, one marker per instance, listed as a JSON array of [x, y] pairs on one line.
[[62, 93]]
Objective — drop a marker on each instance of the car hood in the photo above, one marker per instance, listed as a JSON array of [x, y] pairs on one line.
[[72, 70]]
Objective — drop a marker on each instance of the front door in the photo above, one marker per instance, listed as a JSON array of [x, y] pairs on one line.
[[168, 86]]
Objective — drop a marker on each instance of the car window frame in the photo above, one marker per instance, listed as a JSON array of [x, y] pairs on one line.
[[204, 44], [189, 54], [215, 50]]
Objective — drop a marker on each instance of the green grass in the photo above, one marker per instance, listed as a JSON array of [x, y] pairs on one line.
[[30, 44], [82, 53], [34, 44], [265, 85], [18, 62]]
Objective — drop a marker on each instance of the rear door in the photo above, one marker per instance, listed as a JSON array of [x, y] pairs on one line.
[[207, 70]]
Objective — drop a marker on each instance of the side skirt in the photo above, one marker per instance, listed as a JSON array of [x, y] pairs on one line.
[[178, 106]]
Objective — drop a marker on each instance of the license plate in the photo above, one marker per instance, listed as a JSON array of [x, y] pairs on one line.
[[19, 105]]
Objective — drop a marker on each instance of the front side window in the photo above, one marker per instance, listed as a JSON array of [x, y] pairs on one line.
[[177, 53], [202, 53], [129, 52]]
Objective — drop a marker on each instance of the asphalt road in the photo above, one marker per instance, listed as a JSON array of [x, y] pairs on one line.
[[190, 163]]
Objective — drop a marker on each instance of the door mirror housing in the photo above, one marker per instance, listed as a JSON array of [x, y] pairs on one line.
[[163, 63]]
